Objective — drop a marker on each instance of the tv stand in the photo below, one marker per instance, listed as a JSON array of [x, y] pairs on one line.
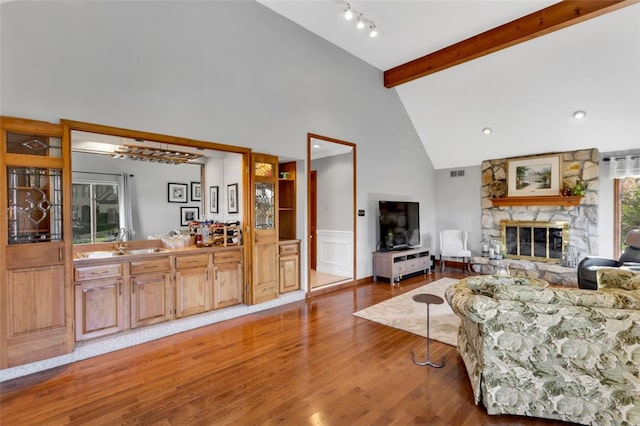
[[395, 265]]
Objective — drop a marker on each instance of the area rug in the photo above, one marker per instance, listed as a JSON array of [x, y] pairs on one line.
[[404, 313]]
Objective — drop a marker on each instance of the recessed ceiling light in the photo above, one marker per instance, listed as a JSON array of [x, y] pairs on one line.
[[316, 146], [579, 115], [487, 130]]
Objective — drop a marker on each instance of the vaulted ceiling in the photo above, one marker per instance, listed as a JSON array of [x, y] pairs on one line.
[[526, 93]]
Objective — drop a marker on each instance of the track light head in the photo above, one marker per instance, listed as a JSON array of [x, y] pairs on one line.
[[360, 24], [348, 14], [373, 32]]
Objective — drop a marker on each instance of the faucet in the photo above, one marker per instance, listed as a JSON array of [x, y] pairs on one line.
[[121, 246]]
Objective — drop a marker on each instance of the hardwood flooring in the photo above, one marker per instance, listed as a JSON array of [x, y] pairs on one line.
[[306, 363]]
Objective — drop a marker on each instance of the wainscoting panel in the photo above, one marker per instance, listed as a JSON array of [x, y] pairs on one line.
[[335, 252]]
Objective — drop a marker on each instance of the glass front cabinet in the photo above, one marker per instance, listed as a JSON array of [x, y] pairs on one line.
[[35, 305]]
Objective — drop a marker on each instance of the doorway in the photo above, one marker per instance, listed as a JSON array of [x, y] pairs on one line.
[[331, 183]]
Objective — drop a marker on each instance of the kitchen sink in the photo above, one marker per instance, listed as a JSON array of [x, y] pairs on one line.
[[146, 250], [95, 254]]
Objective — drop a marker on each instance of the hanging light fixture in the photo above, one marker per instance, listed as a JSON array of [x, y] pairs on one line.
[[361, 21]]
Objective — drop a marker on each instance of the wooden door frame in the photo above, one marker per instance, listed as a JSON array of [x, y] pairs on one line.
[[354, 163]]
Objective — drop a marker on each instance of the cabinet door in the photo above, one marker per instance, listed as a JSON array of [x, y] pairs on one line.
[[264, 226], [289, 273], [227, 284], [36, 303], [150, 299], [36, 314], [99, 308], [192, 291]]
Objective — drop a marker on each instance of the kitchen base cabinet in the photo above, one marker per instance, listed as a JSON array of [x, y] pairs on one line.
[[150, 298], [99, 308], [227, 278], [289, 266], [193, 287]]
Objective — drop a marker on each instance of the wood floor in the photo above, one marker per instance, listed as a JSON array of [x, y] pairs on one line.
[[307, 363]]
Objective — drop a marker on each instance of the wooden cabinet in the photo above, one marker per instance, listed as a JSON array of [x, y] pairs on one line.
[[227, 278], [395, 265], [99, 308], [264, 227], [289, 266], [150, 283], [99, 300], [193, 286], [36, 299]]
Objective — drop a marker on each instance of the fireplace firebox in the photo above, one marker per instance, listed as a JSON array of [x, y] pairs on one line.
[[536, 241]]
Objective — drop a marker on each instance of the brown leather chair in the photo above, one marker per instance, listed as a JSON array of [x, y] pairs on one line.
[[630, 259]]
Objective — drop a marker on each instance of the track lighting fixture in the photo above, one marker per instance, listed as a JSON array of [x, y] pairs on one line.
[[361, 21]]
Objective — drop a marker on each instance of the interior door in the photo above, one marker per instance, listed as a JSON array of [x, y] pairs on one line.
[[264, 223]]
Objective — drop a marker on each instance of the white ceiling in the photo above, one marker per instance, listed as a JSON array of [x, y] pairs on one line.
[[526, 93]]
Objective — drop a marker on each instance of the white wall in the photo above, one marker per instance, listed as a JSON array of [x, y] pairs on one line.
[[458, 204], [230, 72], [334, 192]]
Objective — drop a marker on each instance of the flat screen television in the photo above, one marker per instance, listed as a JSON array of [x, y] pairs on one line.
[[399, 225]]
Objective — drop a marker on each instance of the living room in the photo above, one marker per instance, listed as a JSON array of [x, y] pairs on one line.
[[192, 71]]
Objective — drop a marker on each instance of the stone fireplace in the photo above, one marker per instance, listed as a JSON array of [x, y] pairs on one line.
[[579, 221]]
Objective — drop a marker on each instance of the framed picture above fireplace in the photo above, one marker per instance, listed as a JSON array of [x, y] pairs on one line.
[[533, 176]]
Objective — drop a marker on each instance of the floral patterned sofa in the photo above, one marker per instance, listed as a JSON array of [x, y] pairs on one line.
[[558, 353]]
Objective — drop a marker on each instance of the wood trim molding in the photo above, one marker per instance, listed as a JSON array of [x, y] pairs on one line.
[[536, 24], [551, 200]]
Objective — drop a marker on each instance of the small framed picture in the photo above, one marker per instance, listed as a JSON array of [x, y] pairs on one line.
[[188, 214], [177, 192], [196, 191], [213, 199], [232, 198]]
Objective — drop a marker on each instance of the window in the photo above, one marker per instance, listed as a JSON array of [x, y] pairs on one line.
[[96, 211], [626, 210]]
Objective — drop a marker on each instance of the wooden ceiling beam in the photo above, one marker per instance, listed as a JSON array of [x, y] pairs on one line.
[[536, 24]]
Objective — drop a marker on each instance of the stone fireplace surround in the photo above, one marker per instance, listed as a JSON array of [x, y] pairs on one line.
[[583, 218]]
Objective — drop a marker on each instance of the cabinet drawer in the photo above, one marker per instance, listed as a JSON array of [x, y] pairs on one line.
[[151, 265], [289, 249], [192, 261], [83, 273], [227, 256]]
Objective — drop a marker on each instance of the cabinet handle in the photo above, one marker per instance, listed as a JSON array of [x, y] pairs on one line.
[[60, 254], [120, 289], [104, 271], [133, 288], [207, 275]]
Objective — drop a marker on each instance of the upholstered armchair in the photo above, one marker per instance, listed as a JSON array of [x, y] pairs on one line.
[[630, 259], [453, 243]]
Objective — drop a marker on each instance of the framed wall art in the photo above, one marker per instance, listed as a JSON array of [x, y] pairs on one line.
[[188, 214], [177, 192], [232, 198], [534, 176], [196, 191], [213, 199]]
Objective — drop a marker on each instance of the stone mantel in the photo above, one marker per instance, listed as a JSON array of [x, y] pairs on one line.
[[554, 200]]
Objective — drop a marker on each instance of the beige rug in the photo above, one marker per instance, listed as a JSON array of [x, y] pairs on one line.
[[403, 313]]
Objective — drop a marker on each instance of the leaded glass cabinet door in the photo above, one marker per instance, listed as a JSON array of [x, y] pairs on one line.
[[264, 181], [36, 308]]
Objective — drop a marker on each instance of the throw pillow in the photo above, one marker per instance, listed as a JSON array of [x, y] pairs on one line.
[[618, 278]]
